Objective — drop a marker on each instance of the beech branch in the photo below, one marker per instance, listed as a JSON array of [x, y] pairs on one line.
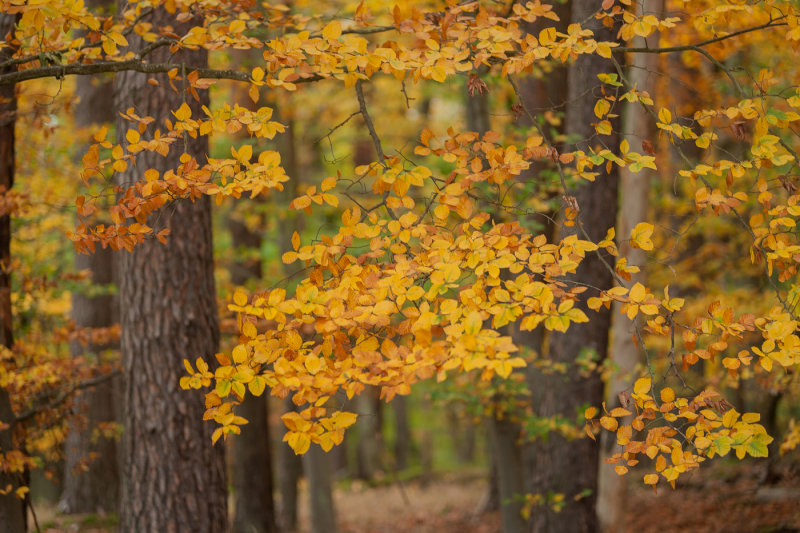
[[61, 398], [137, 65]]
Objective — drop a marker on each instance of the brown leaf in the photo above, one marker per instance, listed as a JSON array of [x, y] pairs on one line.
[[647, 146], [738, 130], [476, 85]]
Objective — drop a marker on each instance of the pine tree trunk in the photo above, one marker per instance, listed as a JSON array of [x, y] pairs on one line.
[[12, 509], [562, 466], [173, 478]]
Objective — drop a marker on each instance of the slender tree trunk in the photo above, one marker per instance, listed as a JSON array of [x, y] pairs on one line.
[[547, 91], [173, 477], [403, 443], [634, 201], [252, 459], [505, 471], [291, 468], [12, 509], [504, 435], [252, 472], [318, 472], [562, 466], [369, 434], [95, 489]]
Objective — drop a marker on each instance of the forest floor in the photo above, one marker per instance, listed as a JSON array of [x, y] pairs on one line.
[[722, 499], [727, 498]]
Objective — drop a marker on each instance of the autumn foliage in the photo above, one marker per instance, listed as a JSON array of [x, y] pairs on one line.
[[434, 254]]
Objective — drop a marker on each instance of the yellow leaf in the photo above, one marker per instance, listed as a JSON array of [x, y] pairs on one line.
[[239, 354], [640, 236], [343, 419], [590, 413], [312, 364], [609, 423], [109, 47], [328, 184], [667, 395], [637, 293], [642, 386], [257, 386], [240, 298], [183, 113], [330, 199], [299, 442], [473, 323], [601, 108], [249, 330], [243, 154], [332, 31]]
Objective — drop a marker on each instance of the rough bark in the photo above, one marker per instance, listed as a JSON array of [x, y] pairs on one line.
[[173, 478], [562, 466], [252, 461], [634, 193], [12, 515]]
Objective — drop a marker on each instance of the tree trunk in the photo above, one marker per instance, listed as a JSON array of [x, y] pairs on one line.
[[505, 472], [290, 465], [12, 509], [252, 471], [634, 200], [504, 436], [252, 460], [291, 468], [368, 427], [96, 489], [403, 443], [562, 466], [173, 477], [317, 468]]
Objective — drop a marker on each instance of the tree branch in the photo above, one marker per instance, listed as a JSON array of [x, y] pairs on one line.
[[137, 65], [58, 400]]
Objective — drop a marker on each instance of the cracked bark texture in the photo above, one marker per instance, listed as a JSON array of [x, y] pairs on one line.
[[173, 477]]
